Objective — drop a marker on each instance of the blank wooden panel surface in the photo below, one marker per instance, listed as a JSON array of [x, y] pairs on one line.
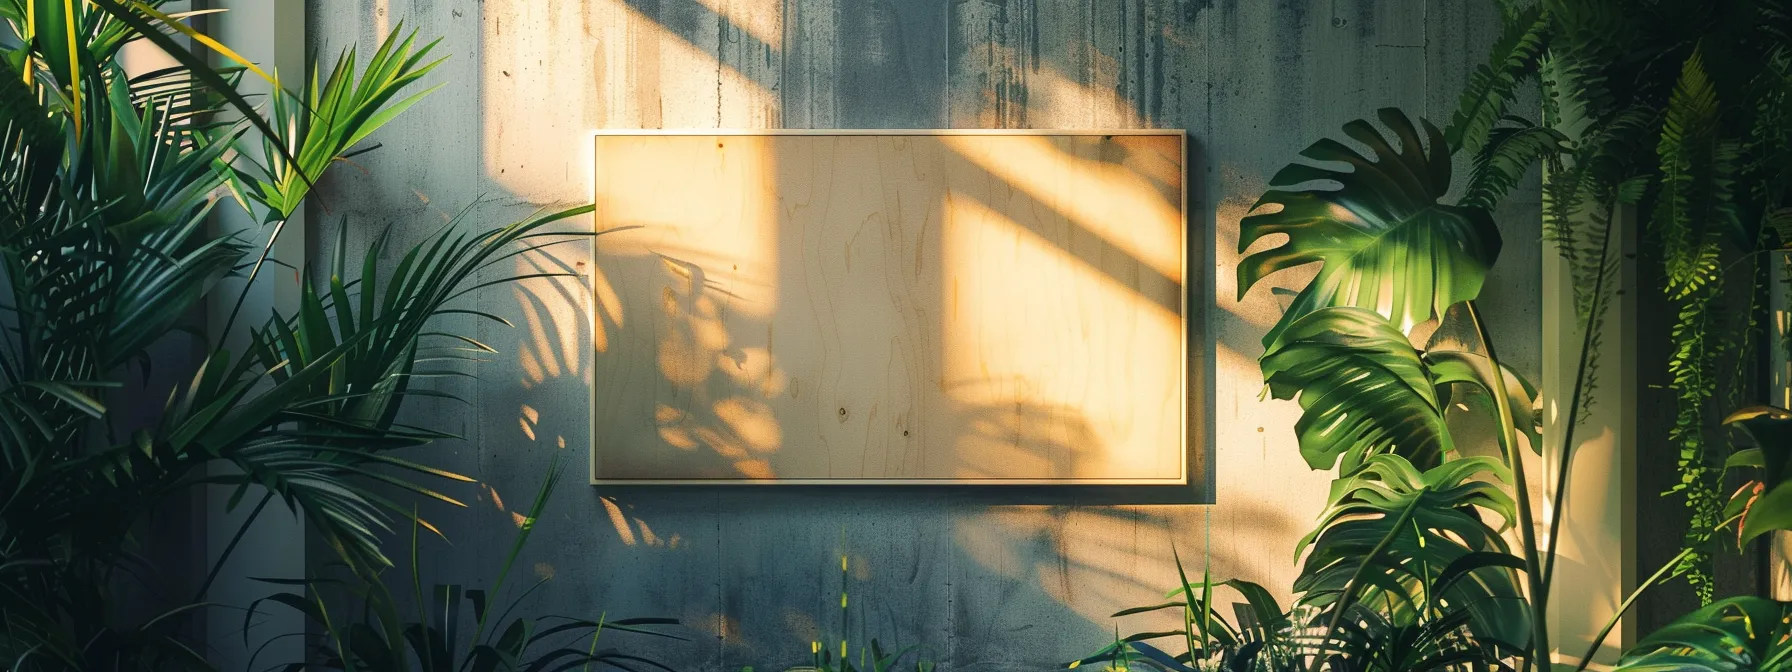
[[886, 307]]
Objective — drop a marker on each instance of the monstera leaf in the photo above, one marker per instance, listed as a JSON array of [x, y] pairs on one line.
[[1409, 543], [1362, 388], [1449, 367], [1765, 504], [1740, 633], [1385, 242]]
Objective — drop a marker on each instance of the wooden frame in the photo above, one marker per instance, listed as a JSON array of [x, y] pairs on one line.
[[1190, 463]]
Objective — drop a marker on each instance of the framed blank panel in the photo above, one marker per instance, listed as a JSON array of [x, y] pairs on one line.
[[891, 307]]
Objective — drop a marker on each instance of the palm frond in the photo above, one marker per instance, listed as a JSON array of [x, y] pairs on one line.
[[328, 118]]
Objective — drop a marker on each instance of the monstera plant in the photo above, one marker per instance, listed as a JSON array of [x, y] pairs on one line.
[[1408, 552], [1407, 532], [1678, 112]]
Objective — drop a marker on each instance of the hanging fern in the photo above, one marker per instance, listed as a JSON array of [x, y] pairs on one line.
[[1491, 87], [1509, 153], [1695, 208]]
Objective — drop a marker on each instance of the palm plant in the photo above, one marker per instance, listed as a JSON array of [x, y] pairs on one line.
[[106, 181], [384, 639]]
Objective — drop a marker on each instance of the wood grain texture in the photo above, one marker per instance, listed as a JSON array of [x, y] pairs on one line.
[[826, 308], [983, 581]]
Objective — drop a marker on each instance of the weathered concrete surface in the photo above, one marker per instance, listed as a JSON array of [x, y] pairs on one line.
[[755, 572]]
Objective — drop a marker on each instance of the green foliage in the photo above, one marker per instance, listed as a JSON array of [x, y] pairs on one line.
[[1764, 503], [340, 367], [1363, 388], [1509, 153], [105, 185], [1384, 241], [1264, 637], [332, 118], [387, 640], [1492, 86], [1406, 535], [872, 656], [1368, 641], [1676, 110], [1735, 634], [1415, 545], [1694, 212], [1670, 119], [1366, 391]]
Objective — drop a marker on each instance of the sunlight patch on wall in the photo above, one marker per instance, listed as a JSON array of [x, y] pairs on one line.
[[696, 278], [1131, 200], [537, 100], [1047, 350]]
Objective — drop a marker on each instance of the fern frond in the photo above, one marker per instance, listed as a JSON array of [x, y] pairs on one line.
[[1492, 85], [1694, 210], [1508, 154], [1586, 38], [1696, 163]]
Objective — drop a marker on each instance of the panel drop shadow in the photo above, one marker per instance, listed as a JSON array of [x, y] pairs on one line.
[[695, 319]]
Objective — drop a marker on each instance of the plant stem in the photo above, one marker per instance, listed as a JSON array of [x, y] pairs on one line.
[[235, 539], [1625, 606], [1527, 526], [592, 652], [249, 284], [1574, 406]]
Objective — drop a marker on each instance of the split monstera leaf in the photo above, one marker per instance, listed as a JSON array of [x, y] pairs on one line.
[[1384, 240], [1407, 534], [1391, 256]]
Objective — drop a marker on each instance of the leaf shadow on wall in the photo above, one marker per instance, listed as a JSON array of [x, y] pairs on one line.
[[978, 580], [1040, 560]]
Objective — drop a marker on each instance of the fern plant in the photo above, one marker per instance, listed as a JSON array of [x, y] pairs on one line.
[[1676, 114]]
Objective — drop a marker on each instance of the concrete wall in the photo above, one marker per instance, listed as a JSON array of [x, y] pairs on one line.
[[753, 572]]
